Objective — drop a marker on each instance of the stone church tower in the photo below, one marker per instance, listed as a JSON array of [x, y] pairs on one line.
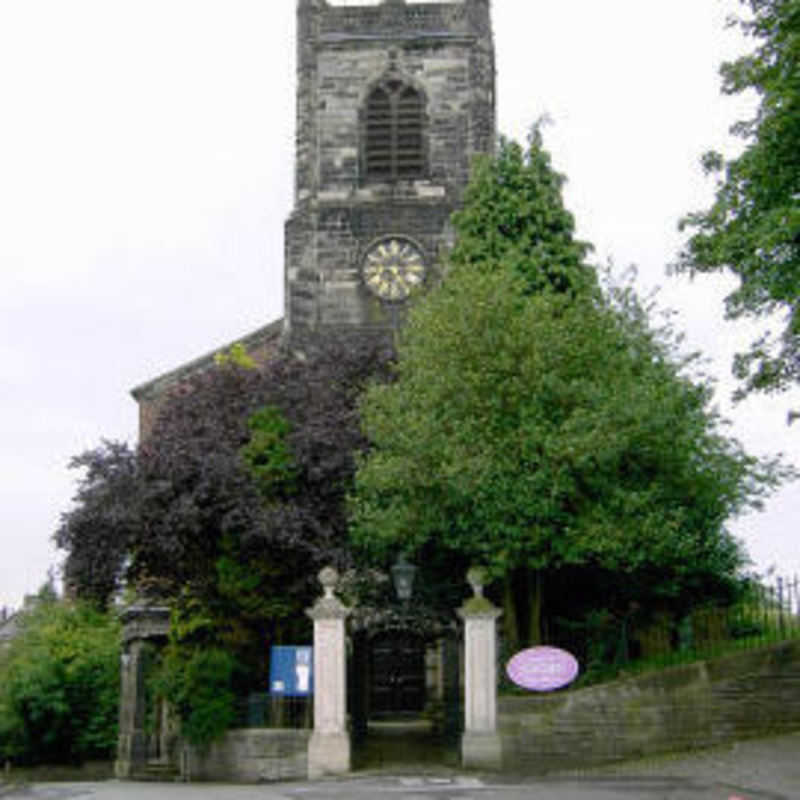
[[393, 101]]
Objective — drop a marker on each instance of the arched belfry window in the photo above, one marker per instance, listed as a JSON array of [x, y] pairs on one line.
[[394, 146]]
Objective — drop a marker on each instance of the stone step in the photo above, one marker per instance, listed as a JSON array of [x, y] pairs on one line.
[[157, 773]]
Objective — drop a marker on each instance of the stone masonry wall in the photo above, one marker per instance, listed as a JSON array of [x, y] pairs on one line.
[[684, 708], [251, 756], [445, 50]]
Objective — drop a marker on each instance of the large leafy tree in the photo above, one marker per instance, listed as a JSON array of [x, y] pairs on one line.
[[235, 500], [753, 227], [541, 431]]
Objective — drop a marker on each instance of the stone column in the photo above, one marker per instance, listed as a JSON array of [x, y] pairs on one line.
[[329, 746], [480, 744], [141, 624]]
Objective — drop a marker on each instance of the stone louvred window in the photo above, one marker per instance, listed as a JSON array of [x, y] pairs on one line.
[[394, 141]]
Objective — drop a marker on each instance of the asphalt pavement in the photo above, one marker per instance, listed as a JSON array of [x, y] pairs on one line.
[[763, 769]]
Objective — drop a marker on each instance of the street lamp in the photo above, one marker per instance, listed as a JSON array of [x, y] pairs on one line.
[[403, 577]]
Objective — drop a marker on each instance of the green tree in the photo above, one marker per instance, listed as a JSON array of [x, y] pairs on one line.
[[536, 432], [514, 215], [59, 686], [97, 529], [195, 675], [753, 227], [229, 509]]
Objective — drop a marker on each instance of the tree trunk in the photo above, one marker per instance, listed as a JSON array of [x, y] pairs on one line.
[[536, 586], [510, 623]]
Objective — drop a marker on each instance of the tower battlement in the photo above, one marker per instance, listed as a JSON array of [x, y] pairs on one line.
[[402, 19]]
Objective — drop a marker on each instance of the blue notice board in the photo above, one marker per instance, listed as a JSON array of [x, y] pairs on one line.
[[291, 671]]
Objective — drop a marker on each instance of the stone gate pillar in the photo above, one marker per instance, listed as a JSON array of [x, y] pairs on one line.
[[140, 624], [480, 744], [329, 746]]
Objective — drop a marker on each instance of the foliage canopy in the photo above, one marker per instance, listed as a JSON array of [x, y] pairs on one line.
[[753, 226], [59, 686], [514, 215], [544, 432], [234, 501], [539, 429]]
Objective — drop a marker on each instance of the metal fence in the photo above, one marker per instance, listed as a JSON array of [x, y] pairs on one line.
[[608, 644], [764, 613]]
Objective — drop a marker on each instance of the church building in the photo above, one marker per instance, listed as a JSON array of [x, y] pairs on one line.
[[393, 101]]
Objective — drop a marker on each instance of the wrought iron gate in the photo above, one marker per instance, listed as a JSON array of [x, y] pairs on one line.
[[397, 671]]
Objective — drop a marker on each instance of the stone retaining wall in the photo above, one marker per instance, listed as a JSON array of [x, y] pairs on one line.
[[684, 708], [251, 756]]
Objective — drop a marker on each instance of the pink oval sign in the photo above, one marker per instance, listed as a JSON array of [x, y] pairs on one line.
[[543, 669]]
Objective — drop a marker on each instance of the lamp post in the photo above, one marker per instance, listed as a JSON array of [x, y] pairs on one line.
[[403, 578]]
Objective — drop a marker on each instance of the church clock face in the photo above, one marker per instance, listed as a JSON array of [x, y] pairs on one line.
[[393, 267]]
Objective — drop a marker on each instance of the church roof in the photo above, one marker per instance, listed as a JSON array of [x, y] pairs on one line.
[[256, 343], [9, 627]]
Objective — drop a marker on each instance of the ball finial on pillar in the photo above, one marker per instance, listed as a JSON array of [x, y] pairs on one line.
[[328, 577]]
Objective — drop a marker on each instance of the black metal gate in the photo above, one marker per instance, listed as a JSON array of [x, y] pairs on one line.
[[397, 670]]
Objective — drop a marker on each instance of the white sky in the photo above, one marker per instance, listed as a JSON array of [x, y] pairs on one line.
[[146, 155]]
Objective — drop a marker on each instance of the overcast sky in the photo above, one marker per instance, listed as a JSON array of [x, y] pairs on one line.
[[146, 156]]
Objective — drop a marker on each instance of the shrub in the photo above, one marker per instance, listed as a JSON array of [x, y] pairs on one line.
[[59, 686]]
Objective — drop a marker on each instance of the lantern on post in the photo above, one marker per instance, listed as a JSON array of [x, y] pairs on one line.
[[403, 578]]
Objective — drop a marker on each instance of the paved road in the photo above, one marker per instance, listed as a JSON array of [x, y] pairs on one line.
[[767, 769], [409, 788]]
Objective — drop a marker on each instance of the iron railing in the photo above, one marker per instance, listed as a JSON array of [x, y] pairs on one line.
[[608, 644]]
